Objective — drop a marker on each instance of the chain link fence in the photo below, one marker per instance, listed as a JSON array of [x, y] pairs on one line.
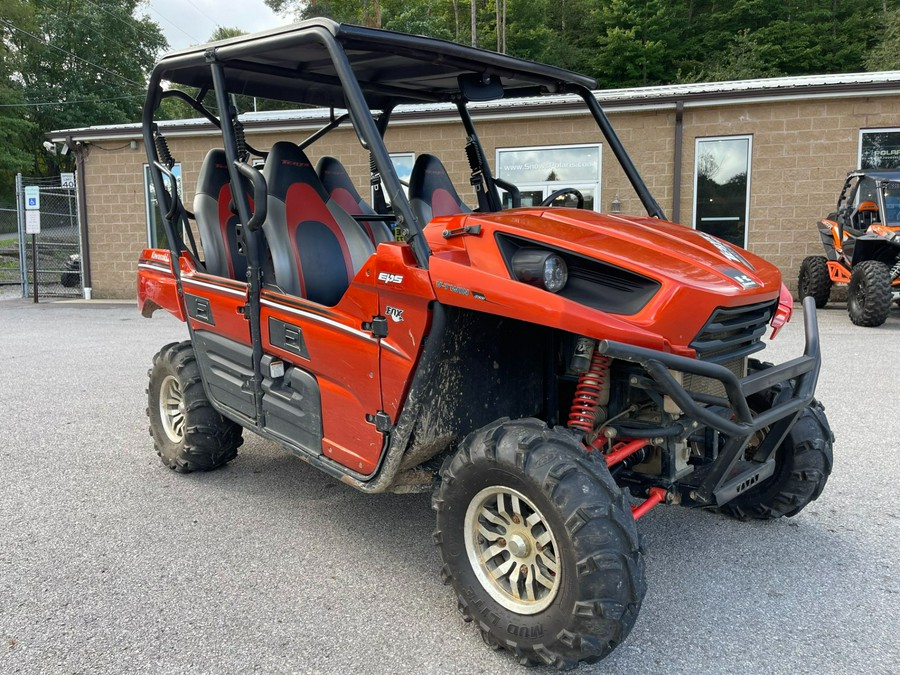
[[53, 261], [10, 267]]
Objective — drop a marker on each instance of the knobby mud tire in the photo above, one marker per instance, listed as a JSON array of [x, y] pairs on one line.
[[803, 463], [207, 440], [869, 294], [814, 280], [601, 583]]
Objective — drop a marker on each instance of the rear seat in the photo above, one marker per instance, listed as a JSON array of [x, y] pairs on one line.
[[317, 247], [340, 188], [216, 221]]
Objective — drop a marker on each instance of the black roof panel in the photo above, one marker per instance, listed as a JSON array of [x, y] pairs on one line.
[[293, 63]]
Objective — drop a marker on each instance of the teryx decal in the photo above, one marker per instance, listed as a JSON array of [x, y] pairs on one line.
[[395, 313]]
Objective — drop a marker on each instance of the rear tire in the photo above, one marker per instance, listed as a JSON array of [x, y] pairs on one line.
[[814, 280], [869, 294], [188, 434], [519, 496]]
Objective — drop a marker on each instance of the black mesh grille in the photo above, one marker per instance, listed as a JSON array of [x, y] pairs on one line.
[[733, 332]]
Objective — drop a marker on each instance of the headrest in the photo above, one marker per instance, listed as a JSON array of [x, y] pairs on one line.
[[288, 165]]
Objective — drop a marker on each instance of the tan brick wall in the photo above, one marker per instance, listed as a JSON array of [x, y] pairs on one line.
[[801, 151]]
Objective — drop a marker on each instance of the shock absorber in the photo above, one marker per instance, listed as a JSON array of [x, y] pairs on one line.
[[895, 270], [162, 150], [591, 393], [240, 140]]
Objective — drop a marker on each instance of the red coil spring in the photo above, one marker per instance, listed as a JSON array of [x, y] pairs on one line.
[[587, 394]]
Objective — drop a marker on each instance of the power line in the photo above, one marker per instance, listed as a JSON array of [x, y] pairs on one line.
[[130, 27], [9, 24], [212, 20], [172, 23], [87, 100]]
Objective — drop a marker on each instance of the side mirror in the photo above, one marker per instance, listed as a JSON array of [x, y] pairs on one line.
[[260, 194]]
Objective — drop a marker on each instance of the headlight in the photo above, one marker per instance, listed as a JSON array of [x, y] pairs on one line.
[[544, 269]]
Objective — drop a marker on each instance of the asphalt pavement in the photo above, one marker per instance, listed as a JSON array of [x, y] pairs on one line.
[[111, 563]]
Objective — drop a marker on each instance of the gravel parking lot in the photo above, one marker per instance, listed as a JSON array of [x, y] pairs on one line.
[[110, 563]]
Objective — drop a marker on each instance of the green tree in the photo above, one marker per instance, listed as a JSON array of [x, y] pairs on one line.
[[14, 120], [72, 63], [886, 54]]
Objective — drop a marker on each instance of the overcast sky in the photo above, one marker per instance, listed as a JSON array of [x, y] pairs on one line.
[[189, 22]]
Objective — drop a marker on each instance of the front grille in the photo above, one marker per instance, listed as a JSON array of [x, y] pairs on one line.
[[733, 332], [711, 387]]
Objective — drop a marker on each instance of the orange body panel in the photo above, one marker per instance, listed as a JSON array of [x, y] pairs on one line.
[[690, 269], [359, 374], [344, 359]]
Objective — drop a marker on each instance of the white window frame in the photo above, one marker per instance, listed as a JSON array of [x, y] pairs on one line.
[[863, 132], [544, 187], [392, 155], [732, 137], [148, 208]]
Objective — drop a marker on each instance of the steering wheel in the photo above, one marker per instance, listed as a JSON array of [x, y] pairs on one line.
[[579, 203]]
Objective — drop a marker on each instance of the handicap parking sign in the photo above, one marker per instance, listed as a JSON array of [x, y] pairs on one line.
[[32, 197]]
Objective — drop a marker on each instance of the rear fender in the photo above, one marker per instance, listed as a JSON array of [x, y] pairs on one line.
[[830, 232], [156, 286]]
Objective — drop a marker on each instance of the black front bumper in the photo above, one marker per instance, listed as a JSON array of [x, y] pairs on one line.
[[731, 416]]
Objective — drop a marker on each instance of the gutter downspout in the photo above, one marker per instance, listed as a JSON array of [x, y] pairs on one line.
[[81, 192], [676, 170]]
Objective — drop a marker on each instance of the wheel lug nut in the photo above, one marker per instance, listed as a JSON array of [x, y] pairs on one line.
[[515, 519], [523, 570], [501, 541]]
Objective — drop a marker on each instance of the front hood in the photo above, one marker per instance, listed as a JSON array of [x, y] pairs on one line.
[[656, 248], [687, 275]]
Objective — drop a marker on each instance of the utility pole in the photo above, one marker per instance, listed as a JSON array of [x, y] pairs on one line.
[[474, 24]]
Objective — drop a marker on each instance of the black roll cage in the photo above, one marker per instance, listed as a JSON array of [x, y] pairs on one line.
[[239, 60]]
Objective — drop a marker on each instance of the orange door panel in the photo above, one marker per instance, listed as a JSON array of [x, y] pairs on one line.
[[331, 345]]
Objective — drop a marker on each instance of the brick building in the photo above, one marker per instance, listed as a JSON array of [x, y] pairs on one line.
[[756, 162]]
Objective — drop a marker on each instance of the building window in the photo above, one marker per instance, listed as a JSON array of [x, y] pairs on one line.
[[538, 172], [879, 149], [403, 164], [156, 232], [722, 187]]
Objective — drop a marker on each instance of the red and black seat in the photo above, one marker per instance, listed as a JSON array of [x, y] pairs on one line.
[[216, 220], [317, 247], [431, 192], [341, 189]]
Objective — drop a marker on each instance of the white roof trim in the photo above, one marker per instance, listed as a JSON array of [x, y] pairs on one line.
[[739, 92]]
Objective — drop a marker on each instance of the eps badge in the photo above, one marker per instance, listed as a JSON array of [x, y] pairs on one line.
[[395, 313]]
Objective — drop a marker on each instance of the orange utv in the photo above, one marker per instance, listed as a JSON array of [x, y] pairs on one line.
[[862, 248], [549, 374]]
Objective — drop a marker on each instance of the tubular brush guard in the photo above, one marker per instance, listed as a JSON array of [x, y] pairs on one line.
[[731, 416]]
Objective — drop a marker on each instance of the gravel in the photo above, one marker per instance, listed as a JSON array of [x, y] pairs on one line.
[[111, 563]]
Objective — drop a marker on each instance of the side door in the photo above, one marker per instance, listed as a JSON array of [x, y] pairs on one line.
[[325, 397], [220, 335]]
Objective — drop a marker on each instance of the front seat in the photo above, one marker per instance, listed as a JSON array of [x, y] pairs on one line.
[[317, 248], [431, 192], [341, 189], [216, 220]]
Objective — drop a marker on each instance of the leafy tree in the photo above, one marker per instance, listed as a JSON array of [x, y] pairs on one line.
[[886, 55], [71, 63], [14, 122]]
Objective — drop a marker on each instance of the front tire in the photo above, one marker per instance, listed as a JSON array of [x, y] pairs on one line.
[[188, 434], [803, 463], [869, 294], [539, 544], [814, 280]]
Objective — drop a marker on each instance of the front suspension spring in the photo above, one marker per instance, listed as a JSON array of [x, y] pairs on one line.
[[591, 392]]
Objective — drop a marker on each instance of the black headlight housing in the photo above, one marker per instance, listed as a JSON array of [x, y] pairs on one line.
[[540, 267], [590, 282]]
